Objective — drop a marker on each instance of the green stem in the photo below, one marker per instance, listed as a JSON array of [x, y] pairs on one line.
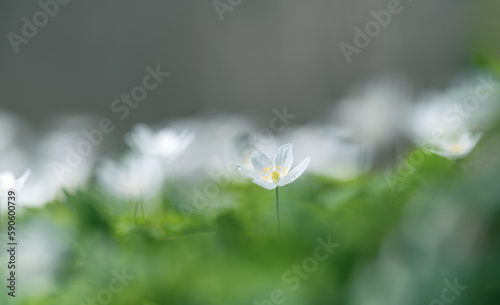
[[278, 211], [165, 192], [142, 210], [140, 205], [136, 207]]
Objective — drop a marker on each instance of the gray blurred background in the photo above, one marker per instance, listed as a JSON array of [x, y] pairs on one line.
[[264, 54]]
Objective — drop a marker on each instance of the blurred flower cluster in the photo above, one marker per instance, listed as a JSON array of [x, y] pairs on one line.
[[368, 128]]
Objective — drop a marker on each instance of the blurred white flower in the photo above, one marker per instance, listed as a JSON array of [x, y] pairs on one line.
[[374, 111], [15, 143], [15, 159], [466, 105], [44, 186], [8, 180], [222, 141], [271, 175], [426, 117], [136, 176], [457, 147], [44, 245], [238, 146], [59, 145], [166, 143], [334, 155], [41, 188], [476, 98], [8, 129]]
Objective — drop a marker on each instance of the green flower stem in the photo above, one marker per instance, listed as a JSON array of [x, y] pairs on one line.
[[278, 211], [164, 191], [142, 209], [138, 205]]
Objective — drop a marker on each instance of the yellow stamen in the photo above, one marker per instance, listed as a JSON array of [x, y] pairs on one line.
[[276, 176], [457, 148]]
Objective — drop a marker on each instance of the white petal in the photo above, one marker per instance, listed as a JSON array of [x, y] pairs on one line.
[[7, 180], [22, 180], [470, 140], [187, 137], [442, 152], [140, 137], [446, 148], [283, 158], [250, 174], [264, 184], [295, 173], [260, 161]]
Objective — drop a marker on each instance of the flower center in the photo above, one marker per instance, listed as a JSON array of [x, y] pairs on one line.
[[275, 176], [457, 148]]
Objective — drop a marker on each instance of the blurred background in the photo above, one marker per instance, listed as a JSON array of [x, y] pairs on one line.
[[117, 119], [263, 54]]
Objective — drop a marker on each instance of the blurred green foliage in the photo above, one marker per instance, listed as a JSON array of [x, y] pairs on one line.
[[403, 234], [396, 245]]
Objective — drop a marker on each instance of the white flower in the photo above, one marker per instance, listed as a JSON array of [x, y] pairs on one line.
[[456, 148], [43, 186], [271, 175], [9, 126], [45, 245], [8, 181], [214, 148], [465, 105], [334, 155], [427, 116], [135, 177], [374, 111], [166, 143]]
